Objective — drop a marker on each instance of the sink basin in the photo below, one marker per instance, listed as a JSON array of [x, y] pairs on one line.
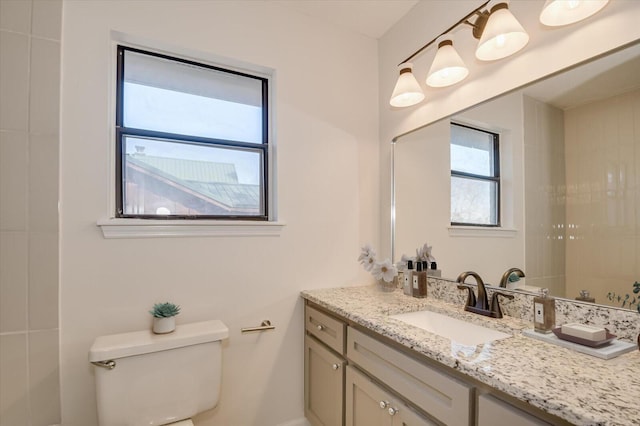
[[451, 328]]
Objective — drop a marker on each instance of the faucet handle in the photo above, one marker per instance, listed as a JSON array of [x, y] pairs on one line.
[[471, 297], [494, 307]]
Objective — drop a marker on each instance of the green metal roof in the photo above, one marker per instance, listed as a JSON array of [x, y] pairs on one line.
[[216, 181], [191, 170]]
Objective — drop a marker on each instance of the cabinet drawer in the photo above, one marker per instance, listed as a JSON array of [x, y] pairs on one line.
[[327, 329], [441, 396], [493, 412]]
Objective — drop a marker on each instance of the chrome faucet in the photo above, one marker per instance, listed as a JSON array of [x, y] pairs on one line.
[[480, 305], [505, 277]]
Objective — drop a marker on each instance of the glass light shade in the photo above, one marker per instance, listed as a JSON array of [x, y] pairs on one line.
[[447, 67], [556, 13], [502, 36], [407, 91]]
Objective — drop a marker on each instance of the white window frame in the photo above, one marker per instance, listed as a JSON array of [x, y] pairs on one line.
[[113, 227]]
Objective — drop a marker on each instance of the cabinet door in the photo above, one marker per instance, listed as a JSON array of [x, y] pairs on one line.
[[366, 404], [407, 417], [493, 412], [323, 385]]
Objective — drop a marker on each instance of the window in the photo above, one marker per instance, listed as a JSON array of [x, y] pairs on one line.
[[192, 140], [475, 176]]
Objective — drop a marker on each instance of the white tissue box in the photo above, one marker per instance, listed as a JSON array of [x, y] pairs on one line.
[[583, 331]]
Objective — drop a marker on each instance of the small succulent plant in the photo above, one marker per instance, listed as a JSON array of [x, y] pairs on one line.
[[165, 310]]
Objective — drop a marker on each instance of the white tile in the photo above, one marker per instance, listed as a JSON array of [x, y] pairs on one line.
[[13, 281], [44, 378], [14, 384], [14, 81], [47, 18], [43, 183], [14, 148], [44, 96], [43, 280], [15, 15]]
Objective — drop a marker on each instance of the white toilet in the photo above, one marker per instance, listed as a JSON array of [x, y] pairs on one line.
[[158, 379]]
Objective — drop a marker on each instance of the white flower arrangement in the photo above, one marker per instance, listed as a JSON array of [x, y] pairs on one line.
[[384, 270], [422, 254]]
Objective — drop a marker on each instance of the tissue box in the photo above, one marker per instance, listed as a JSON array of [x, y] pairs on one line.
[[583, 331]]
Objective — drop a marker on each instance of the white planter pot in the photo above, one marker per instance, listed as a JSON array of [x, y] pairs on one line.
[[164, 325]]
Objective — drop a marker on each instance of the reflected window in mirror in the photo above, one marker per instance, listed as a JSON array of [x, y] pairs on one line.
[[475, 176]]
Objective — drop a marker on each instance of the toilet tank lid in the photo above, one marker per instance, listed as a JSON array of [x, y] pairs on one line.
[[115, 346]]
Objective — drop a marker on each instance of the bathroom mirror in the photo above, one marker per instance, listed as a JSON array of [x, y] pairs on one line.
[[570, 185]]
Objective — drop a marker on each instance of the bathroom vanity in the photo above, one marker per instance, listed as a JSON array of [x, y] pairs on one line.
[[365, 367]]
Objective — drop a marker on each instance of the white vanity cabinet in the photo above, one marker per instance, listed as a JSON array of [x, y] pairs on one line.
[[324, 368], [368, 404]]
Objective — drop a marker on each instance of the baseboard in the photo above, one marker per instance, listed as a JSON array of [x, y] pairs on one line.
[[297, 422]]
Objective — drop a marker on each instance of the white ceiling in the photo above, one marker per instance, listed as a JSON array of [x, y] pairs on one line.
[[369, 17]]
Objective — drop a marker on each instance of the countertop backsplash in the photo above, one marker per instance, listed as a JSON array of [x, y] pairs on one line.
[[624, 323]]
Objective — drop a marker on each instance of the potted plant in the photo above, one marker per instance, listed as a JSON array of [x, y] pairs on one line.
[[164, 320]]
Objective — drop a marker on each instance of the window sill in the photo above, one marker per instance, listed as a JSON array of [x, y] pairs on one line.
[[149, 228], [481, 231]]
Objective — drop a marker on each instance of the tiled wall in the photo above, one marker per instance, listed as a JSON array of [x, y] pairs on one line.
[[29, 144], [603, 195], [544, 196]]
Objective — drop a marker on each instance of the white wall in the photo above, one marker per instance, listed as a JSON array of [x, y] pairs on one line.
[[548, 51], [328, 195]]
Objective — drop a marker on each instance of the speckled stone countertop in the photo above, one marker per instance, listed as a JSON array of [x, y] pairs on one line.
[[578, 388]]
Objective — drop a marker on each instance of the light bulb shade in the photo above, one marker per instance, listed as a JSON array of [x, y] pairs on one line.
[[407, 91], [502, 36], [556, 13], [447, 67]]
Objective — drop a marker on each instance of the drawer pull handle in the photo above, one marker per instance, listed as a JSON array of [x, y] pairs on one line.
[[320, 327], [335, 366], [383, 404], [393, 411]]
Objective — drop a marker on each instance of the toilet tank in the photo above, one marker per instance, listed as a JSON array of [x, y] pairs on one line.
[[158, 378]]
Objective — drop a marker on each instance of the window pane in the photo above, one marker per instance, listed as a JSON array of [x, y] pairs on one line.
[[172, 178], [472, 151], [175, 97], [473, 201]]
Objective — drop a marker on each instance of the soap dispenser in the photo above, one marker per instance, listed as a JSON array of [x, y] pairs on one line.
[[407, 286], [544, 312], [434, 271], [419, 281]]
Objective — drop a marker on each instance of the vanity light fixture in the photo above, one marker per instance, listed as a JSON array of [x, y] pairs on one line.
[[502, 35], [447, 68], [407, 91], [556, 13]]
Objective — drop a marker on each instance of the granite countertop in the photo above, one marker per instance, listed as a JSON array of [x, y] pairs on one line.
[[578, 388]]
